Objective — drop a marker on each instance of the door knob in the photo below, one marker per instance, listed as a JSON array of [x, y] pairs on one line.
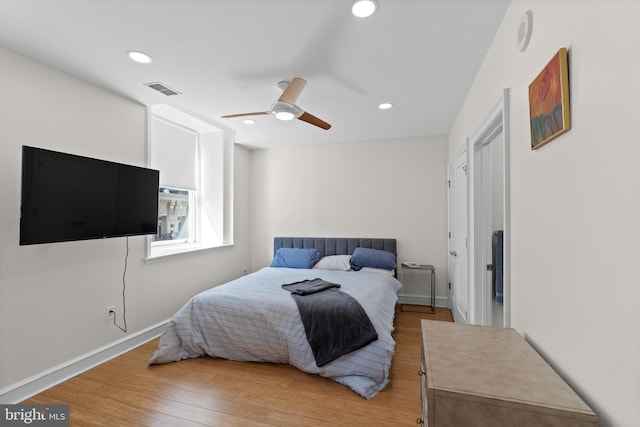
[[453, 253]]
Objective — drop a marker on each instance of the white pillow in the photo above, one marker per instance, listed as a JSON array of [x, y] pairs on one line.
[[334, 262], [377, 270]]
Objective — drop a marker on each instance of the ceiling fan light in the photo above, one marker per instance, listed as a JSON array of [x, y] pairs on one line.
[[364, 8], [284, 115], [285, 111]]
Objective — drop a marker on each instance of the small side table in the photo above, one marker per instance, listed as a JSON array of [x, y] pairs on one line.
[[424, 267]]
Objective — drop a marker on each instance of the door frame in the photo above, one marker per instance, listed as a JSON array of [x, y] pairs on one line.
[[497, 122]]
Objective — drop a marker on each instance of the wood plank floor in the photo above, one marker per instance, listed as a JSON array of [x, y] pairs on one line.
[[217, 392]]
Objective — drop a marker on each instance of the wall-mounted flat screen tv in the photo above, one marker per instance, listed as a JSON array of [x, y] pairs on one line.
[[69, 197]]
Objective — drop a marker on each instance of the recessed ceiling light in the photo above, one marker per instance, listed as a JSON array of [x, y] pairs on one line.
[[364, 8], [140, 57], [249, 122], [385, 105]]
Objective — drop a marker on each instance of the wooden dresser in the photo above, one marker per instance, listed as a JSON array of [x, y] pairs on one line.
[[483, 376]]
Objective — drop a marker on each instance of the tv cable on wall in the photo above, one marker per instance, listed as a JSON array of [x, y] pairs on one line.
[[124, 297]]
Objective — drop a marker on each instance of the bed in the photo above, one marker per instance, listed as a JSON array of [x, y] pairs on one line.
[[254, 318]]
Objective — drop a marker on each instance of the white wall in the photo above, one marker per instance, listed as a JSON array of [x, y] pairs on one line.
[[53, 296], [575, 202], [390, 188]]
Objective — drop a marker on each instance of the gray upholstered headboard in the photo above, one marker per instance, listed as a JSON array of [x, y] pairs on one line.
[[334, 245]]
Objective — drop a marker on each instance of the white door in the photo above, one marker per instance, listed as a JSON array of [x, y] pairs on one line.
[[458, 239]]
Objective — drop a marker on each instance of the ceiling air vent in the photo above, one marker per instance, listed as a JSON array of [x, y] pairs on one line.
[[162, 88]]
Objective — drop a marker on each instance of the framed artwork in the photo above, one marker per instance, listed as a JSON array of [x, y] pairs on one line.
[[549, 113]]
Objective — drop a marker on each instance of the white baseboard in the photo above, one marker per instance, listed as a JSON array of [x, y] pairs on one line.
[[422, 300], [22, 390]]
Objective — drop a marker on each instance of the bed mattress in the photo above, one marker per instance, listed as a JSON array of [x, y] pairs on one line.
[[253, 319]]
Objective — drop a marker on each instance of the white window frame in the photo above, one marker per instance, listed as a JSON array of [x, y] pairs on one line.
[[204, 238]]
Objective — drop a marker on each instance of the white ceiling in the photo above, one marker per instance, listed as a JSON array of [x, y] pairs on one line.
[[226, 57]]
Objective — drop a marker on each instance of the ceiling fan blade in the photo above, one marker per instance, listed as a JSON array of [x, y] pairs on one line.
[[310, 118], [259, 113], [292, 92]]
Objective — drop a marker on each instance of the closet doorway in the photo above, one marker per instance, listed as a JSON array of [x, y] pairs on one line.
[[491, 226]]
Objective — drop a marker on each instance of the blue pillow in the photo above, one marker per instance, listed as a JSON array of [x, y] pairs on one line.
[[295, 258], [376, 258]]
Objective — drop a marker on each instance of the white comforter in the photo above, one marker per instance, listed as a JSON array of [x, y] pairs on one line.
[[253, 319]]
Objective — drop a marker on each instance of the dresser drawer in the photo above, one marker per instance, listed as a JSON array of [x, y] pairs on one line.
[[422, 419]]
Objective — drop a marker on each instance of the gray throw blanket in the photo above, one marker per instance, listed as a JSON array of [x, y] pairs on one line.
[[335, 323]]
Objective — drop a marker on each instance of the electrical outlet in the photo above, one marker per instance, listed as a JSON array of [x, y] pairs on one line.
[[109, 313]]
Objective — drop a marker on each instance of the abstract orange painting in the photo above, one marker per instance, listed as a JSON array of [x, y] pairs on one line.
[[549, 101]]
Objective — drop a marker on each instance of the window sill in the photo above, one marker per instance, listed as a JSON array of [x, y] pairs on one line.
[[172, 252]]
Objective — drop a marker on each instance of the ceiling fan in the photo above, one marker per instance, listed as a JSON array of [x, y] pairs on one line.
[[285, 107]]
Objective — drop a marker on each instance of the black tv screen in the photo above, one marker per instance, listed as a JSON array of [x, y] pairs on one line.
[[68, 197]]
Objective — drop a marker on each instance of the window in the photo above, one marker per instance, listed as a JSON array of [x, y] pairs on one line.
[[174, 216], [194, 159]]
